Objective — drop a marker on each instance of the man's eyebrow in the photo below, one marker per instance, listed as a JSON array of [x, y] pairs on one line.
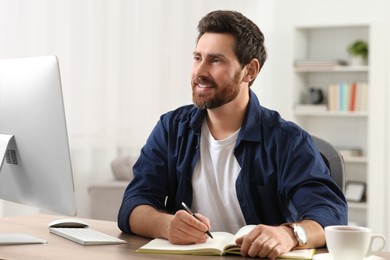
[[212, 55]]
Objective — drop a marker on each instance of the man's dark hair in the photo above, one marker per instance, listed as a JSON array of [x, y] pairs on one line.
[[249, 38]]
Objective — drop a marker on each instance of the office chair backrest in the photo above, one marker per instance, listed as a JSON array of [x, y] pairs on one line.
[[333, 160]]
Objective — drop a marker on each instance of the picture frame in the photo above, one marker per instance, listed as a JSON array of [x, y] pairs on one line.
[[355, 191]]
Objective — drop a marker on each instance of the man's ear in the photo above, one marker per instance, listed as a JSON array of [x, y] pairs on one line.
[[252, 69]]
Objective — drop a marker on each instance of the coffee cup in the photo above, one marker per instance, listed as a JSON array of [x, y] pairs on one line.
[[352, 242]]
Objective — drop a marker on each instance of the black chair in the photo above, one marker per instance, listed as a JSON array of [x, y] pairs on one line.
[[333, 160]]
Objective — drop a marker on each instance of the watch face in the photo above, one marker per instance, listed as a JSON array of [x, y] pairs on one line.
[[300, 233]]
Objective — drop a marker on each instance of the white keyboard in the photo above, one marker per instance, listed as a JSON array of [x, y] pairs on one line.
[[86, 236]]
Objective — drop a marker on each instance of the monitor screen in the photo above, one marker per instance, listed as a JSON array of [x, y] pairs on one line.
[[34, 151]]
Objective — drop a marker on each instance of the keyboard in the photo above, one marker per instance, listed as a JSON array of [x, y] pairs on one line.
[[86, 236]]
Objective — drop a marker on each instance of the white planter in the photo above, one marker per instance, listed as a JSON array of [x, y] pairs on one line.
[[357, 61]]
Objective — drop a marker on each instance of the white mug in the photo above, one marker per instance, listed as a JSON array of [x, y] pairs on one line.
[[352, 242]]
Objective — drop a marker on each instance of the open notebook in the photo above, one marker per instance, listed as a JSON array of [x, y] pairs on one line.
[[223, 243]]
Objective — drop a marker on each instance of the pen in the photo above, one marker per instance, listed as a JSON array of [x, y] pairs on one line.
[[190, 212]]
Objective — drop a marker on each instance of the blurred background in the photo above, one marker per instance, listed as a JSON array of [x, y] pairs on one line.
[[125, 62]]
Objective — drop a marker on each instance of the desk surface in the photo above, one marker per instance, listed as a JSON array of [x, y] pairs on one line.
[[60, 248]]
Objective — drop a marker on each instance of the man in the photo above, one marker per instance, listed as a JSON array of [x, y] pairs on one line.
[[231, 159]]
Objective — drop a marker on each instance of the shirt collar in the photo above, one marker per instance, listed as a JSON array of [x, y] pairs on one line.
[[250, 129], [197, 120]]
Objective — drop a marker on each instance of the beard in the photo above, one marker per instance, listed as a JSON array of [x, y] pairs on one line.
[[222, 95]]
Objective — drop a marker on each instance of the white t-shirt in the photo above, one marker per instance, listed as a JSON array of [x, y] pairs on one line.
[[213, 183]]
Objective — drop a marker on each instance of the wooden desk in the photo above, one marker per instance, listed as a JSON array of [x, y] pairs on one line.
[[59, 248]]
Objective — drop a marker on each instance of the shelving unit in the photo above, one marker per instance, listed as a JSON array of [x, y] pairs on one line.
[[363, 129], [335, 69]]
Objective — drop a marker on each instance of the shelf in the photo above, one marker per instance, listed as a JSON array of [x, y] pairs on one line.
[[331, 113], [357, 205], [332, 69], [355, 159], [366, 127], [341, 128]]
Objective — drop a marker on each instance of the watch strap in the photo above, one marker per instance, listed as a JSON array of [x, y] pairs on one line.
[[299, 233]]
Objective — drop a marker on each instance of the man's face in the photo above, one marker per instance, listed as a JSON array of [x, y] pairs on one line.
[[216, 71]]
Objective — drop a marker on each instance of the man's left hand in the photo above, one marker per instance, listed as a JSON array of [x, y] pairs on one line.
[[267, 241]]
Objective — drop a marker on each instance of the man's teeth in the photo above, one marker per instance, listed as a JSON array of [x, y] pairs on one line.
[[204, 86]]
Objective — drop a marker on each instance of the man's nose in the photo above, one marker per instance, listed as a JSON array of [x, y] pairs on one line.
[[201, 69]]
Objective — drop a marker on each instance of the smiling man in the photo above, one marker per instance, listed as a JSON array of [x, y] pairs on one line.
[[231, 159]]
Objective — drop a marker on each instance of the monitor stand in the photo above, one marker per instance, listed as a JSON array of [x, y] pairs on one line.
[[5, 141], [7, 152], [19, 239]]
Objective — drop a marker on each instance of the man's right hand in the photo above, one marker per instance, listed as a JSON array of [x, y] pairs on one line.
[[181, 228], [185, 229]]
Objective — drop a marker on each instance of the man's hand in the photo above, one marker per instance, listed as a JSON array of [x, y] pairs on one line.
[[267, 241], [185, 229], [181, 228]]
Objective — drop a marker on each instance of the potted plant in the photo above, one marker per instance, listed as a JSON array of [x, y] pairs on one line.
[[358, 51]]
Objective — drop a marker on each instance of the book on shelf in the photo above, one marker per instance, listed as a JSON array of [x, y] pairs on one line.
[[222, 244], [347, 97]]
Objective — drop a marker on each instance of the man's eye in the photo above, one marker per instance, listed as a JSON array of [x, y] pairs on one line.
[[217, 60], [196, 58]]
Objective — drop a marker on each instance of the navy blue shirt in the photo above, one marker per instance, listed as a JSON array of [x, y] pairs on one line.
[[283, 177]]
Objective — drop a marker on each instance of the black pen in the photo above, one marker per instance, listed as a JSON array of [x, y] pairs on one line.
[[190, 212]]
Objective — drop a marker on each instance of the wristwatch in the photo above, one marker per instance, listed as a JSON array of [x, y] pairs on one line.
[[299, 233]]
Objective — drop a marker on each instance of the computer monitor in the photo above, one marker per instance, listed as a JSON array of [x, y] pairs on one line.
[[35, 164]]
